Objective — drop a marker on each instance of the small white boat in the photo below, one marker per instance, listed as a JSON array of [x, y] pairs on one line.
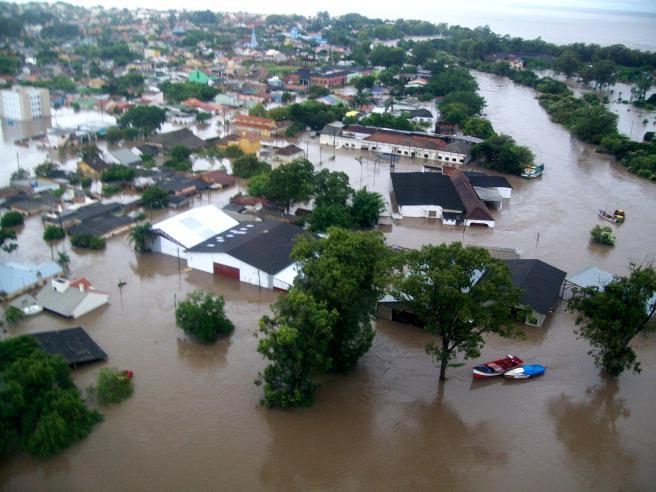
[[31, 310]]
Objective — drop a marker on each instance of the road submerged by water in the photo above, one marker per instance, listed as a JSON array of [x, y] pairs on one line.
[[195, 423]]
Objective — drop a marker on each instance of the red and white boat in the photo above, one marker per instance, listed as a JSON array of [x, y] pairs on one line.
[[497, 367]]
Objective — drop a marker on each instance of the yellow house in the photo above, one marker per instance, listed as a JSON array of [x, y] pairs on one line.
[[248, 144], [93, 168]]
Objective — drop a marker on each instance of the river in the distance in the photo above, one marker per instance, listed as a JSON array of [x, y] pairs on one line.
[[195, 423]]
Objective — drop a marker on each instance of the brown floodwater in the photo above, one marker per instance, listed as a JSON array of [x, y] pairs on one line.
[[195, 423]]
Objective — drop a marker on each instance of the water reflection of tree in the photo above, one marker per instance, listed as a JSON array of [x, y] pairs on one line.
[[204, 356], [355, 444], [589, 432]]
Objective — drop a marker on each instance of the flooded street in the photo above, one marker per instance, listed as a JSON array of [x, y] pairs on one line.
[[195, 423]]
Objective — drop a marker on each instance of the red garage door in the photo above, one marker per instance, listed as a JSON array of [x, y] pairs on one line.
[[226, 271]]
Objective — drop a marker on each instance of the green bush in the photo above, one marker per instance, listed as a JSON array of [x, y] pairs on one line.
[[155, 198], [202, 316], [13, 315], [109, 190], [53, 233], [603, 235], [11, 219], [87, 241], [113, 386]]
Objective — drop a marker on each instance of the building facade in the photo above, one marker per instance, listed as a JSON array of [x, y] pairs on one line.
[[24, 103], [394, 142]]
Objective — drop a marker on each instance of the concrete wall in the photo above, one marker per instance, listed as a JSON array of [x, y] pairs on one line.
[[420, 211], [165, 246], [489, 223]]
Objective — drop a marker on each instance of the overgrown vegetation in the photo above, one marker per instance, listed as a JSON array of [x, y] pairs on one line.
[[41, 410], [611, 318], [87, 241], [112, 386]]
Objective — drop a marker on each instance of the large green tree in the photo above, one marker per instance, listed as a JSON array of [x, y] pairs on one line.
[[500, 152], [296, 341], [348, 272], [366, 208], [331, 187], [146, 119], [568, 63], [459, 294], [610, 319], [478, 127], [248, 166], [290, 183]]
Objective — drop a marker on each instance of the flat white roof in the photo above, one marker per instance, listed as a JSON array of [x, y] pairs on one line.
[[196, 225]]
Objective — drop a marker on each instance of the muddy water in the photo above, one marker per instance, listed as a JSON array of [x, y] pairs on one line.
[[194, 422]]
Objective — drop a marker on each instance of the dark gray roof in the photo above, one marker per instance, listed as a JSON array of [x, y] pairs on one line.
[[420, 113], [288, 150], [426, 189], [540, 281], [458, 147], [74, 344], [184, 136], [265, 245], [485, 181], [91, 211], [125, 157], [99, 226]]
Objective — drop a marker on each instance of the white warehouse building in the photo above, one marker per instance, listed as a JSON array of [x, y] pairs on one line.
[[257, 253]]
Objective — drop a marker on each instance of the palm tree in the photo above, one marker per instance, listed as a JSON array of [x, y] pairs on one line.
[[63, 260], [140, 235]]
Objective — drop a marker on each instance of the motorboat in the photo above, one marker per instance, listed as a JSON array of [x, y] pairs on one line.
[[497, 367]]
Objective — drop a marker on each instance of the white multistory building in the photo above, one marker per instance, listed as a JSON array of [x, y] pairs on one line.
[[24, 103]]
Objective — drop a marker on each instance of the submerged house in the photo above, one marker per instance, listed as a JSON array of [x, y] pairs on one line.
[[541, 284], [71, 299], [257, 253], [16, 278], [450, 198]]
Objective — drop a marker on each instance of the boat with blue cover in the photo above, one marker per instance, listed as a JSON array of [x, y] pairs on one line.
[[525, 372]]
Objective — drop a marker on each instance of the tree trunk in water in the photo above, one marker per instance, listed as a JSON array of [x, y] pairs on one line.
[[443, 364], [445, 359]]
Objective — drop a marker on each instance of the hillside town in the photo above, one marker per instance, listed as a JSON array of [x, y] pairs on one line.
[[298, 185]]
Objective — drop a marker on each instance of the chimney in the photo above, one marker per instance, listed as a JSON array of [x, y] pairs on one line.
[[81, 286]]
